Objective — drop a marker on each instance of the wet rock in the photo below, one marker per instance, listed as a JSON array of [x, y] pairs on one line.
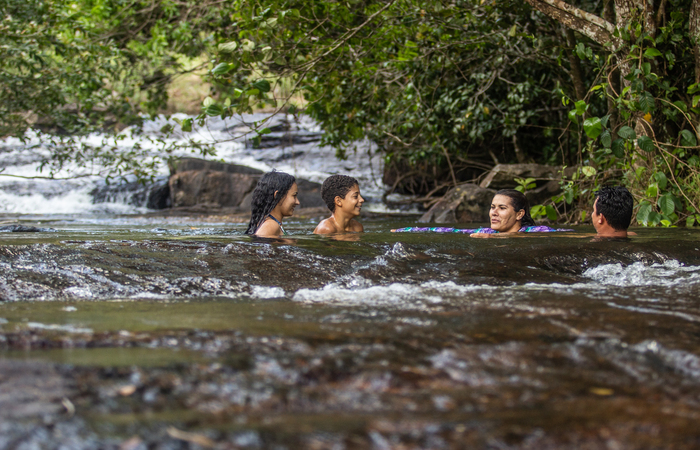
[[465, 203], [159, 196], [30, 389], [22, 229], [502, 176], [286, 139], [192, 164], [215, 188], [154, 195], [547, 178], [216, 184]]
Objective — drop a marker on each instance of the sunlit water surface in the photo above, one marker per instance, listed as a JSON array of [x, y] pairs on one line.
[[176, 333]]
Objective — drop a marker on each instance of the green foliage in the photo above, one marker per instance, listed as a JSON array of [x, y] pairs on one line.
[[71, 68], [648, 142], [427, 82]]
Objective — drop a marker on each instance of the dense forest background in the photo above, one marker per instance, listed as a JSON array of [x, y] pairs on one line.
[[446, 89]]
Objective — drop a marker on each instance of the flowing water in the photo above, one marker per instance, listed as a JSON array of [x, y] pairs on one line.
[[191, 335], [124, 330]]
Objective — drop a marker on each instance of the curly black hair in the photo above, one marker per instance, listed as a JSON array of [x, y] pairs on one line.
[[336, 186], [264, 198], [616, 204]]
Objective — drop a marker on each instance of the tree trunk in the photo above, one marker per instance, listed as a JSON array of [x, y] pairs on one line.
[[694, 29], [575, 64]]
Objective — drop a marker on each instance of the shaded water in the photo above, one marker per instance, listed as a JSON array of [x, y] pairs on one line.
[[187, 334]]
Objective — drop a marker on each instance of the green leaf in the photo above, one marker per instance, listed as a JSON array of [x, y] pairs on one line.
[[690, 221], [666, 223], [681, 105], [646, 102], [652, 190], [568, 196], [661, 180], [221, 69], [208, 102], [581, 107], [265, 131], [606, 139], [626, 133], [228, 47], [572, 115], [537, 210], [646, 144], [551, 213], [651, 53], [645, 209], [262, 85], [213, 110], [588, 171], [618, 148], [688, 139], [654, 218], [513, 30], [666, 204], [186, 124], [592, 127]]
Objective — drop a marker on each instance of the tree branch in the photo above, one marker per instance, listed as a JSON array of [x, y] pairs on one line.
[[589, 25]]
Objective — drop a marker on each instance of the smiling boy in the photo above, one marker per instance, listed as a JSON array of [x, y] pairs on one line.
[[342, 196]]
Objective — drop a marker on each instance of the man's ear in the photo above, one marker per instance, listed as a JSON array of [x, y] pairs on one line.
[[338, 200], [520, 216], [275, 194]]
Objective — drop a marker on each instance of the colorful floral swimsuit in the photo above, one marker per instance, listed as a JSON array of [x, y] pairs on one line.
[[485, 230]]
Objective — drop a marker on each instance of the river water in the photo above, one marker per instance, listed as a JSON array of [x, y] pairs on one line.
[[133, 331]]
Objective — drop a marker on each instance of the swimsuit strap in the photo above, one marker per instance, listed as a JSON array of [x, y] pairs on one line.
[[278, 223]]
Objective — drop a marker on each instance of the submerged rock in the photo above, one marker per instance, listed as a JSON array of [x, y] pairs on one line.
[[22, 229]]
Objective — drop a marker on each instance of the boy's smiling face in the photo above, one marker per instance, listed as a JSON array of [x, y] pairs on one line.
[[351, 204]]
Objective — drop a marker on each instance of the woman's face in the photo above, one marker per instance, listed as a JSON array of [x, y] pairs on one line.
[[289, 202], [504, 218]]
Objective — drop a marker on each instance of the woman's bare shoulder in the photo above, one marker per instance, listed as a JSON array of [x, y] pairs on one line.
[[269, 228]]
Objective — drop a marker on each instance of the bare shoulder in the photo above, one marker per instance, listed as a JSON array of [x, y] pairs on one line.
[[325, 227], [269, 228], [356, 226]]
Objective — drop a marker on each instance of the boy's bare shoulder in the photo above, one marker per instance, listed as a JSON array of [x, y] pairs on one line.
[[355, 226], [326, 226]]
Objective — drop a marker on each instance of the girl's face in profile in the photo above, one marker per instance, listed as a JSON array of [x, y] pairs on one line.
[[504, 218], [289, 202]]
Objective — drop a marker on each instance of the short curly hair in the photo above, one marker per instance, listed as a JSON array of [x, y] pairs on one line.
[[336, 186]]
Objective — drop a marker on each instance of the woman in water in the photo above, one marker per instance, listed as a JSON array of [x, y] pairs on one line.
[[274, 198], [510, 213]]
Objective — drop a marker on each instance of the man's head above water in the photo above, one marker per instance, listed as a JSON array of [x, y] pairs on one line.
[[612, 211]]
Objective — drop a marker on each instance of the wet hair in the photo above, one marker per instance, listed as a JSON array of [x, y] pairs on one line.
[[264, 198], [336, 186], [615, 203], [519, 202]]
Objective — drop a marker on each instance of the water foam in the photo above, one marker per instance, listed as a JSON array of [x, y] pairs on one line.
[[422, 296], [670, 273]]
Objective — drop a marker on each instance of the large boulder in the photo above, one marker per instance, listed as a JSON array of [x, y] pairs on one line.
[[466, 203], [211, 188], [189, 164], [198, 182]]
